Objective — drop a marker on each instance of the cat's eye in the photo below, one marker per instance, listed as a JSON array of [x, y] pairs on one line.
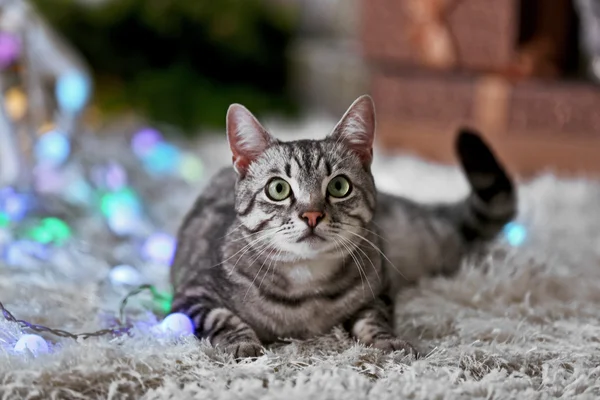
[[339, 186], [277, 189]]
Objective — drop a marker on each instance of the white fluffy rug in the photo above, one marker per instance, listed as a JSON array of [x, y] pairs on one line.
[[525, 325]]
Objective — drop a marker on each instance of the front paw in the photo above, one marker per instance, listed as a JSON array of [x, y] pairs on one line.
[[389, 345], [244, 350]]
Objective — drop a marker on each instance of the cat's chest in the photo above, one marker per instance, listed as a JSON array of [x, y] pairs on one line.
[[309, 275]]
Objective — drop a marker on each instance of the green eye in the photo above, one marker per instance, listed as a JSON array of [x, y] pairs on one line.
[[278, 189], [339, 186]]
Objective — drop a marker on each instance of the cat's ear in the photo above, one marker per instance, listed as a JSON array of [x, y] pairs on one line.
[[356, 129], [246, 136]]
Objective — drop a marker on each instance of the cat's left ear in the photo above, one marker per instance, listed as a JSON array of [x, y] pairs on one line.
[[356, 129], [246, 136]]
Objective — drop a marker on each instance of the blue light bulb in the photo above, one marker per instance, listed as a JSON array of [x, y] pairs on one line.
[[52, 149], [34, 343], [160, 248], [177, 324], [515, 233], [125, 275], [162, 159], [73, 91]]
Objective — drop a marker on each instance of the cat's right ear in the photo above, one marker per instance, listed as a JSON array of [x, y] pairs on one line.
[[246, 136]]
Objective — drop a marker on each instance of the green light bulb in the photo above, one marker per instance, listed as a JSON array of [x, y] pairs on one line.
[[59, 230], [4, 221]]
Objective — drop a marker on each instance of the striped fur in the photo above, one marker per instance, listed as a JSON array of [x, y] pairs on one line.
[[248, 272]]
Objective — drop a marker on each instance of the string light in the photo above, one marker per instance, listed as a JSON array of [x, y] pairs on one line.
[[72, 91], [515, 234], [52, 149], [190, 168], [162, 159], [50, 230], [177, 324], [10, 49], [122, 210], [13, 204], [144, 140], [16, 103], [160, 248], [33, 343], [21, 252], [125, 275]]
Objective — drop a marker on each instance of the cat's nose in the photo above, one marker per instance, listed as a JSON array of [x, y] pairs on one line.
[[312, 218]]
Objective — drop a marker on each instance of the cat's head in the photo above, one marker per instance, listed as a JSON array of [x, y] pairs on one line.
[[307, 198]]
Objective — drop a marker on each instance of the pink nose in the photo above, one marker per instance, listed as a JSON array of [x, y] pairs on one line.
[[313, 218]]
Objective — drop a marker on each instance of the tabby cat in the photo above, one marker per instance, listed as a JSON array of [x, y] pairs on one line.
[[295, 239]]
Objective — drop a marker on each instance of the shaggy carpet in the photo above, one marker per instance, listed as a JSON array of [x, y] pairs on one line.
[[521, 323]]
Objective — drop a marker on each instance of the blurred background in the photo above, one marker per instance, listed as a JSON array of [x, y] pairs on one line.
[[109, 104], [523, 71]]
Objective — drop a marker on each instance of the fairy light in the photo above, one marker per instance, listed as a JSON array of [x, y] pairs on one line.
[[10, 49], [144, 140], [177, 324], [72, 91], [20, 253], [50, 230], [52, 149], [190, 168], [125, 275], [122, 210], [13, 204], [33, 343], [16, 103], [515, 233], [4, 220], [162, 159], [160, 248]]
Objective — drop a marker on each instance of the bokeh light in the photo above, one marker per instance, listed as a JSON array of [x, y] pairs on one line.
[[33, 343], [52, 149], [16, 103], [515, 233], [10, 48], [191, 168], [125, 275], [144, 140], [160, 248], [177, 324], [72, 91]]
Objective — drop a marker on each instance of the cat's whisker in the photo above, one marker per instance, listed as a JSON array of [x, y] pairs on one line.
[[360, 271], [264, 249], [366, 255], [268, 267], [250, 249], [248, 245], [378, 250], [232, 231], [336, 243], [363, 228], [249, 235], [358, 265]]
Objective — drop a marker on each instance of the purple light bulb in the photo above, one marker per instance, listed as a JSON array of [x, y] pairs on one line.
[[144, 140], [10, 49]]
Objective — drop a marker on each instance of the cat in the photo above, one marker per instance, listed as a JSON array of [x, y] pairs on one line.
[[294, 239]]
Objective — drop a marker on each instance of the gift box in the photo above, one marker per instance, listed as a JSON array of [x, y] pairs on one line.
[[514, 37], [533, 125]]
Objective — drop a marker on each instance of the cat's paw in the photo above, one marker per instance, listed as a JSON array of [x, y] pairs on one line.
[[244, 350], [389, 345]]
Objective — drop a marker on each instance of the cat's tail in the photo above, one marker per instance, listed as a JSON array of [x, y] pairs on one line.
[[493, 201]]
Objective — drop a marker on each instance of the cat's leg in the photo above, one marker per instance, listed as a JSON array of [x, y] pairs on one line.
[[372, 326], [223, 328]]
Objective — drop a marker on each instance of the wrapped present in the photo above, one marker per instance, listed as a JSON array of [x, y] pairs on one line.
[[534, 125], [510, 37]]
